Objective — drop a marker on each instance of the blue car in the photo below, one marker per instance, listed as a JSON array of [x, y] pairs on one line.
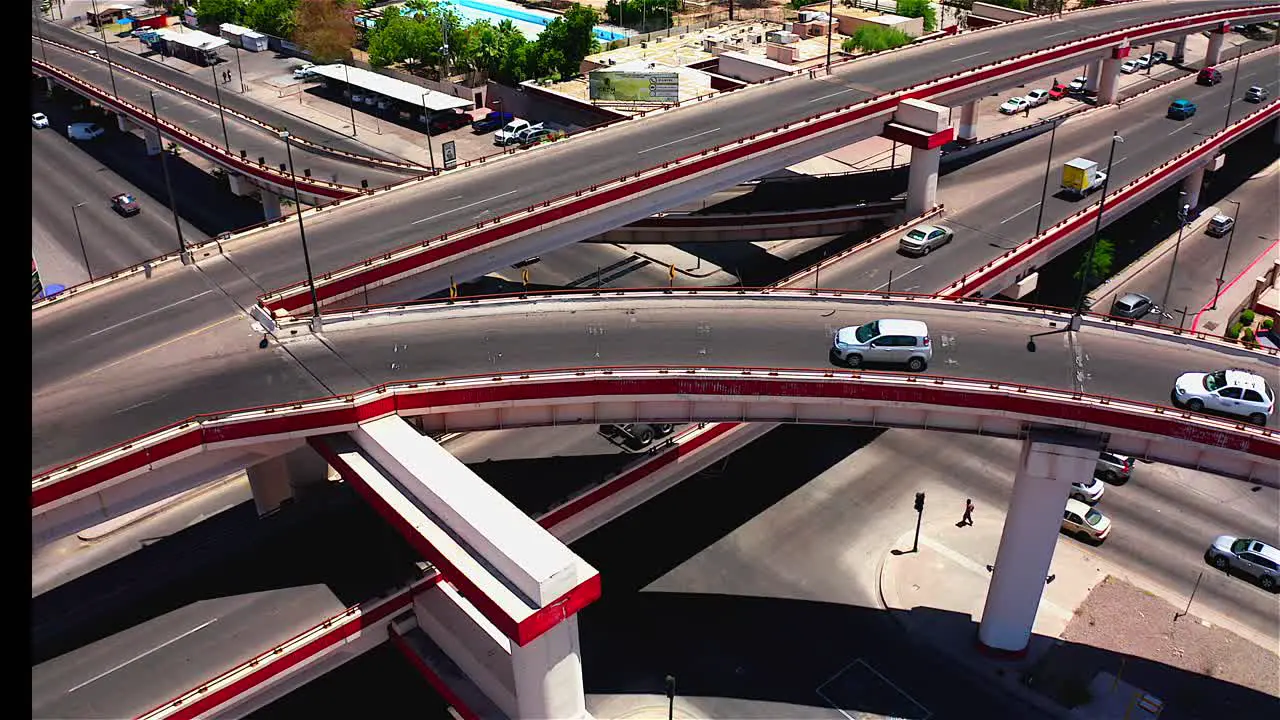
[[491, 122], [1181, 109]]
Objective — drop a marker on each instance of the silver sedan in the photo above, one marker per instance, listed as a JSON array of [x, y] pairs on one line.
[[923, 239]]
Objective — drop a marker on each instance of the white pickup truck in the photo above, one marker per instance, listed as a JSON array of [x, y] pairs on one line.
[[515, 132]]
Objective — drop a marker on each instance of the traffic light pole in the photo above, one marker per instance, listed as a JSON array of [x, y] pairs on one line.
[[915, 545]]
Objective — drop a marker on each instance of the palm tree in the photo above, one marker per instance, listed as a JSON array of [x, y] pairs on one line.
[[488, 50]]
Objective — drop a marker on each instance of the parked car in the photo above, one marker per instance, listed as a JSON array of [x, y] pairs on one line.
[[125, 204], [510, 133], [39, 120], [357, 97], [1146, 61], [444, 122], [1247, 556], [1088, 492], [1130, 66], [1113, 467], [304, 71], [84, 131], [1058, 91], [533, 136], [904, 342], [1220, 225], [1256, 94], [1131, 306], [491, 121], [385, 103], [1014, 105], [1076, 87], [1181, 109], [923, 239], [1233, 392], [1037, 97], [1159, 57], [1209, 76], [1084, 522]]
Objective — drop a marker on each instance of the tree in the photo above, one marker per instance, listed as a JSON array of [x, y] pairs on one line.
[[919, 9], [325, 28], [216, 12], [642, 15], [1104, 254], [396, 38], [873, 38], [1011, 4], [273, 17]]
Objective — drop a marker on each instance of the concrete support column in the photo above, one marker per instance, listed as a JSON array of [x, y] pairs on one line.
[[968, 130], [126, 125], [1191, 186], [922, 180], [1179, 49], [1092, 73], [1276, 123], [238, 185], [1109, 84], [270, 205], [48, 82], [1051, 461], [153, 142], [288, 476], [1213, 55], [548, 674]]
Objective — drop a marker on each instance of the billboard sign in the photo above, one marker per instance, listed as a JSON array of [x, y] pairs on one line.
[[450, 155], [625, 86]]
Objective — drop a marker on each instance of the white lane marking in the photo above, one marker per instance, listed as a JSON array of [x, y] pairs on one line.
[[1184, 127], [673, 142], [1065, 32], [881, 287], [970, 57], [462, 207], [831, 95], [149, 312], [139, 657], [1117, 162], [1033, 207]]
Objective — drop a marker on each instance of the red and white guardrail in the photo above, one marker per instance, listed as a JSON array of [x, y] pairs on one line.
[[505, 227]]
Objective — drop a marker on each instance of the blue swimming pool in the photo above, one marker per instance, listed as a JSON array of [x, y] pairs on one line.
[[529, 22]]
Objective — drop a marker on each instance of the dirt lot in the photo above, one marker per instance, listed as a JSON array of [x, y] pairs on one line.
[[1199, 670]]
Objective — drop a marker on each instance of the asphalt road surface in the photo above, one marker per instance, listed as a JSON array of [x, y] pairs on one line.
[[271, 260]]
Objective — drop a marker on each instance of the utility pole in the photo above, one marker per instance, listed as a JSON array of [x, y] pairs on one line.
[[915, 545]]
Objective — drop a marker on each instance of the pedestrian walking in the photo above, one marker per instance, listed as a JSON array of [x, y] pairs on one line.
[[968, 512], [1026, 112]]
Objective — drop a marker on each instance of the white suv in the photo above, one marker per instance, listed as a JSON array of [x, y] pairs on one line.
[[1251, 557], [904, 342], [1234, 392]]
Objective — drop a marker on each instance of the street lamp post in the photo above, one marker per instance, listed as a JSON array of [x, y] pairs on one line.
[[302, 230], [226, 143], [1097, 225], [831, 14], [1044, 190], [1184, 212], [1232, 100], [40, 34], [83, 252], [350, 97], [168, 184], [430, 153], [239, 70], [106, 51], [1222, 273]]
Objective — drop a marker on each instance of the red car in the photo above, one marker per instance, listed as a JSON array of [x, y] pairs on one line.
[[1058, 91], [125, 204], [446, 122]]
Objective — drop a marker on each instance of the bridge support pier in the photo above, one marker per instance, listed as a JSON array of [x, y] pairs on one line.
[[548, 674], [1051, 461], [154, 146], [1092, 74], [1213, 55], [1191, 186], [926, 128], [48, 82], [1179, 50], [968, 131], [270, 205], [286, 477], [1109, 82], [126, 125]]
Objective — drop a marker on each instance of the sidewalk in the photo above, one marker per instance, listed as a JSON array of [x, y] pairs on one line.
[[1233, 294]]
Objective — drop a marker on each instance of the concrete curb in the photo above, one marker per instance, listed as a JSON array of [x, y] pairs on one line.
[[688, 273]]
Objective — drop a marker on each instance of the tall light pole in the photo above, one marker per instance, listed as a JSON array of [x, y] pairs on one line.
[[1097, 225], [168, 184], [351, 94], [83, 252], [1183, 212], [239, 69], [1222, 273], [226, 143], [1048, 163], [831, 16], [302, 230], [430, 153], [1232, 100], [40, 34], [105, 50]]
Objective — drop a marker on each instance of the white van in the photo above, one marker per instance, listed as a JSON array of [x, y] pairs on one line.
[[84, 131]]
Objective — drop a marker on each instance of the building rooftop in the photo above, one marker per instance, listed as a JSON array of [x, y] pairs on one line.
[[405, 92]]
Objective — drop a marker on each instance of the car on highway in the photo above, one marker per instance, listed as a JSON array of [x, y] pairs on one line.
[[444, 122], [1088, 492], [1232, 392], [39, 120], [84, 131], [1181, 109], [1058, 91], [1084, 522], [1256, 94], [1219, 225], [900, 342], [1113, 467], [1130, 66], [1131, 306], [125, 204], [923, 239], [1254, 558], [1037, 97], [304, 71], [1014, 105], [1077, 86], [491, 121], [1209, 76]]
